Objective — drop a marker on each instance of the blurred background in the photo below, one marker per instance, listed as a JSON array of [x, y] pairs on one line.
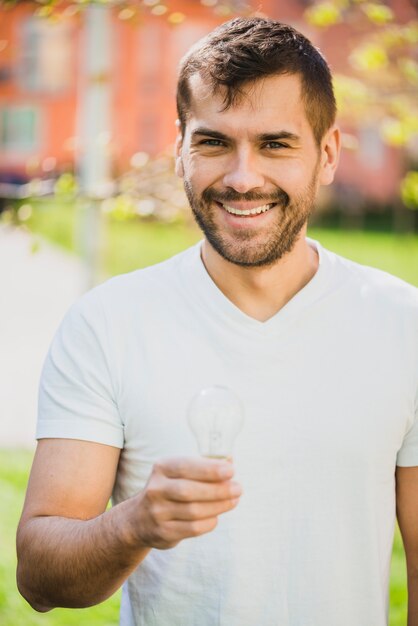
[[87, 188]]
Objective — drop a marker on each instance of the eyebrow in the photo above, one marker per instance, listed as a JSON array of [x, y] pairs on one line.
[[281, 134], [272, 136], [207, 132]]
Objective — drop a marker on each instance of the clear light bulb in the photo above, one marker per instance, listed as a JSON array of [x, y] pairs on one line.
[[215, 418]]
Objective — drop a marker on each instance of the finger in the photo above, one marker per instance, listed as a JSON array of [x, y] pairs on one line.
[[199, 510], [182, 490], [196, 468], [178, 530]]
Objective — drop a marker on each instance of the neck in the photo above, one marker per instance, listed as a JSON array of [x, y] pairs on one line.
[[261, 292]]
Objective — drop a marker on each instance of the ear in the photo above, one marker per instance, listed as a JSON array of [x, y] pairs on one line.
[[330, 154], [177, 151]]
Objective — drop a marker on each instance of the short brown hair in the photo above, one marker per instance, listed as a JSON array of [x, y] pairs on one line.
[[246, 49]]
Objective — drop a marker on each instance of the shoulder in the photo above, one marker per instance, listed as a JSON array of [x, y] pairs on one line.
[[379, 310], [372, 285], [142, 287]]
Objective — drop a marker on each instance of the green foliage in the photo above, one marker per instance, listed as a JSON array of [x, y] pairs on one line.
[[150, 188], [129, 9], [409, 190], [409, 69], [121, 208], [369, 56], [395, 131], [323, 14], [384, 75], [400, 125], [351, 93], [66, 185], [377, 13]]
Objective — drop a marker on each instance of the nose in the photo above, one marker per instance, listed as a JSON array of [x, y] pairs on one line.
[[243, 173]]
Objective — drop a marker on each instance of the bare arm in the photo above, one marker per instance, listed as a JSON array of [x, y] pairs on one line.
[[74, 553], [407, 513]]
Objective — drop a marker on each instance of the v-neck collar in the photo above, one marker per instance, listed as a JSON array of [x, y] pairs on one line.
[[215, 301]]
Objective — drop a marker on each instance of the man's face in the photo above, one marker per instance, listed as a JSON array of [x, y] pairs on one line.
[[251, 172]]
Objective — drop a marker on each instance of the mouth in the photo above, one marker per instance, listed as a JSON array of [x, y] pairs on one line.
[[246, 212]]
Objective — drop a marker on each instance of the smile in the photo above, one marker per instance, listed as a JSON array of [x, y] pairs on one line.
[[246, 212]]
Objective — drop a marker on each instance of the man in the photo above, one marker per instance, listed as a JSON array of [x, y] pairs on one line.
[[321, 351]]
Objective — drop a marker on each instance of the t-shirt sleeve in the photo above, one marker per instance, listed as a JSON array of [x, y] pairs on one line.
[[408, 454], [76, 393]]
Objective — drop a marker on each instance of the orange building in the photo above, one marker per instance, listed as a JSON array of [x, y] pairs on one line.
[[40, 82]]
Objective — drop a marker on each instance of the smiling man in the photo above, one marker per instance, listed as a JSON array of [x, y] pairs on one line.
[[245, 169], [323, 353]]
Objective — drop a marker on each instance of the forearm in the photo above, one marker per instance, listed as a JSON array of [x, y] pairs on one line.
[[413, 599], [76, 563]]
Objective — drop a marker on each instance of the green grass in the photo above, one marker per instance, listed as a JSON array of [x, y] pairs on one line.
[[14, 611], [134, 244], [394, 253], [127, 244]]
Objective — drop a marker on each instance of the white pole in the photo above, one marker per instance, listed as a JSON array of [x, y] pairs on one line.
[[94, 121]]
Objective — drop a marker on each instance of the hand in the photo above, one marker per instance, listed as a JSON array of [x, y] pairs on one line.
[[183, 498]]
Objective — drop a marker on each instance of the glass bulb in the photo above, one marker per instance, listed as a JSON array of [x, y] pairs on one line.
[[215, 418]]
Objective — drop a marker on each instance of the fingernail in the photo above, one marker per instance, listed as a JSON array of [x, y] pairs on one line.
[[226, 471], [236, 490]]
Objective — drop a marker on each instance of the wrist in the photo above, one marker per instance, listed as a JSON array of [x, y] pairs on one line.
[[128, 524]]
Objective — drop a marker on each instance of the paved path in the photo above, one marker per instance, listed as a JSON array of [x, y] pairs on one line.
[[36, 289]]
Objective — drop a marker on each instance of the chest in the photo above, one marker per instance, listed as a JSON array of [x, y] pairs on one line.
[[333, 406]]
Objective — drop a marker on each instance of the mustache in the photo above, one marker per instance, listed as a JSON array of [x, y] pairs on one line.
[[230, 195]]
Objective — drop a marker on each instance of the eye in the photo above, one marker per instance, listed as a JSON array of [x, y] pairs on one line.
[[212, 142], [275, 145]]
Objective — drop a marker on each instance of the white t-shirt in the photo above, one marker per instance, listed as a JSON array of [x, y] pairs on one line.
[[329, 385]]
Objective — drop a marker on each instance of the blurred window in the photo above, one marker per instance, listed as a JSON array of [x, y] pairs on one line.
[[5, 74], [45, 62], [19, 128], [185, 35], [151, 44], [152, 85], [372, 149]]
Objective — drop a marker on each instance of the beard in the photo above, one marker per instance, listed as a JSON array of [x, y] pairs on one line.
[[250, 247]]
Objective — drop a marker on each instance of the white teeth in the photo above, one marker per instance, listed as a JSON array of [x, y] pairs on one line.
[[256, 211]]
